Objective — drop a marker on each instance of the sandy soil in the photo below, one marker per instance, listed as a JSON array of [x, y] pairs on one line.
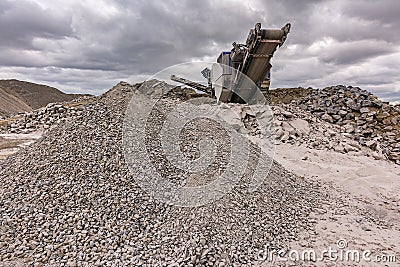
[[360, 175], [364, 211]]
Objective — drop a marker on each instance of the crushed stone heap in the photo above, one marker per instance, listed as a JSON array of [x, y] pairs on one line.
[[44, 118], [370, 121], [345, 119], [69, 199]]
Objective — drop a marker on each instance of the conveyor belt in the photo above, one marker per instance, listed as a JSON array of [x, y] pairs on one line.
[[239, 74], [256, 64]]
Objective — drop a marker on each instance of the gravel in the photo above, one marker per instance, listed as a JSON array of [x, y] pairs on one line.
[[70, 200], [45, 117]]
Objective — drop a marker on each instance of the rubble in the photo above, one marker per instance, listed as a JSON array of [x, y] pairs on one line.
[[343, 119], [44, 118], [69, 199], [360, 114]]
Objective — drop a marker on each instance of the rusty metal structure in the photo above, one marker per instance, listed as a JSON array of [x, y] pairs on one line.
[[251, 60]]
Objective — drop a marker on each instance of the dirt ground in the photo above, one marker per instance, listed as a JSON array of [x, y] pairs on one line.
[[11, 143]]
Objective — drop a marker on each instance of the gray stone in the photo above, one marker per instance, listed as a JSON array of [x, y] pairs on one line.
[[349, 148], [286, 127], [371, 144], [350, 116], [376, 103], [279, 133], [366, 103], [339, 148], [300, 125], [327, 118], [287, 114], [382, 115], [285, 136], [318, 113]]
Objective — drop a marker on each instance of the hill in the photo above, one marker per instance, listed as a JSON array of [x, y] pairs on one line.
[[10, 104], [20, 96]]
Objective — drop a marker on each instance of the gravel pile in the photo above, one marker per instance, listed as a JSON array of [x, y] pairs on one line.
[[295, 126], [70, 200], [44, 118], [368, 120]]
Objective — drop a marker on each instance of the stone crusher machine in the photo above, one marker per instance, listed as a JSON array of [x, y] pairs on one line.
[[244, 67]]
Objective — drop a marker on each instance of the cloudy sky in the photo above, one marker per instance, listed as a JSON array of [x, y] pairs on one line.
[[90, 45]]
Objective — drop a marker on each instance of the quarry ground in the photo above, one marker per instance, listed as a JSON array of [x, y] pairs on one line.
[[68, 198]]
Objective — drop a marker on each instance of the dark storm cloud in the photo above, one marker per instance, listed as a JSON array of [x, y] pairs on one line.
[[142, 37], [161, 34], [354, 52], [383, 11], [21, 21], [95, 43]]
